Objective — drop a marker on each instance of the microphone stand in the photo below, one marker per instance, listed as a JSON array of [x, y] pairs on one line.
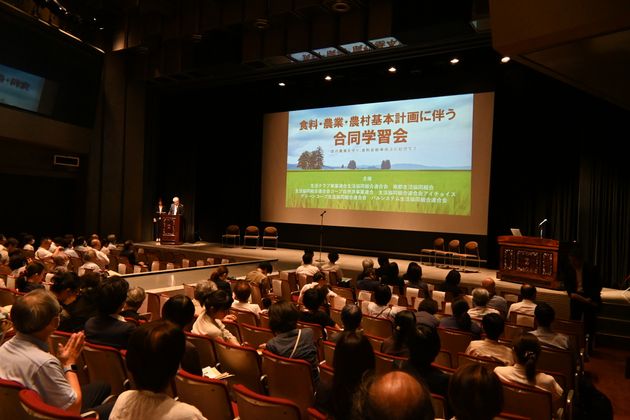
[[321, 237]]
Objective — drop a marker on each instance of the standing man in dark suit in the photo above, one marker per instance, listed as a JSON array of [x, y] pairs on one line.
[[176, 207]]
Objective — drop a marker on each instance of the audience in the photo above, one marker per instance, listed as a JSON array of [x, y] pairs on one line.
[[313, 299], [108, 328], [414, 278], [423, 349], [101, 253], [210, 323], [545, 316], [259, 276], [461, 320], [135, 298], [180, 310], [393, 396], [404, 328], [383, 266], [89, 263], [367, 273], [527, 350], [480, 299], [351, 317], [129, 253], [380, 307], [528, 304], [242, 292], [392, 278], [367, 280], [289, 341], [319, 282], [493, 326], [307, 268], [332, 266], [496, 302], [353, 359], [155, 352], [28, 241], [66, 287], [201, 293], [220, 278], [32, 278], [426, 313], [43, 253], [451, 284], [475, 393], [26, 358]]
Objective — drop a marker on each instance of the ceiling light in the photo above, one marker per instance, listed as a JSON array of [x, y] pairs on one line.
[[328, 78], [392, 69], [505, 59], [282, 84], [454, 60]]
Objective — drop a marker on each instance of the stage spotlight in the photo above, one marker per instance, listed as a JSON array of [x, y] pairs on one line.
[[505, 59], [392, 69], [282, 84], [455, 60], [328, 78]]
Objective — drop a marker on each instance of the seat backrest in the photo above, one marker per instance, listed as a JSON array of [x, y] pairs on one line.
[[454, 342], [522, 320], [570, 327], [244, 317], [464, 359], [472, 247], [453, 246], [32, 404], [210, 396], [444, 359], [10, 400], [329, 352], [379, 327], [255, 336], [438, 243], [233, 230], [270, 231], [251, 231], [241, 361], [289, 378], [364, 295], [155, 302], [386, 363], [7, 296], [255, 406], [511, 331], [315, 414], [439, 406], [376, 342], [335, 315], [106, 364], [555, 360], [527, 401], [344, 292], [205, 348]]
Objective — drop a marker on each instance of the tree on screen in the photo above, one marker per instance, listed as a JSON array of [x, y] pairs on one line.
[[352, 165], [304, 160], [386, 164], [311, 160]]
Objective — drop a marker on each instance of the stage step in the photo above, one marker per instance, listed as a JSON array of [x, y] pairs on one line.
[[613, 326], [612, 340]]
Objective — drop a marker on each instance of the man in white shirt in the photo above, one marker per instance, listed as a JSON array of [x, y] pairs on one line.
[[527, 305], [480, 298], [101, 257], [43, 252], [319, 280], [545, 315], [497, 302], [242, 292], [89, 265], [307, 268], [489, 347]]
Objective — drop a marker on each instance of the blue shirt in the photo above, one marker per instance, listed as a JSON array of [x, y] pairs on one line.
[[25, 359]]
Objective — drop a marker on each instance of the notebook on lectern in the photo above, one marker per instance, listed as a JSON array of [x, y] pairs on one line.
[[516, 232]]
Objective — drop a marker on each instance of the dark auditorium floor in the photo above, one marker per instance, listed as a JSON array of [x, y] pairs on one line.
[[608, 367]]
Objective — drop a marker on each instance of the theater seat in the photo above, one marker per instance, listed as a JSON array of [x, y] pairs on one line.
[[210, 396], [38, 409], [10, 401], [253, 406]]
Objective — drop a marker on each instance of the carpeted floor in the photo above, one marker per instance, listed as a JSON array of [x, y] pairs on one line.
[[608, 367]]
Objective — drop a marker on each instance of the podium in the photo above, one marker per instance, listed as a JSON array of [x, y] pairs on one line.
[[528, 259], [170, 229]]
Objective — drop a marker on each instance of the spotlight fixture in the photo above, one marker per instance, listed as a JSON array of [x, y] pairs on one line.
[[455, 60], [392, 69], [282, 84], [505, 59], [328, 78]]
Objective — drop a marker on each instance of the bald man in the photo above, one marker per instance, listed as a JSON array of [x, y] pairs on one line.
[[496, 302], [395, 396]]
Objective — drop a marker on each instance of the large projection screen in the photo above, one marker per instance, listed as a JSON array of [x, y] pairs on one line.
[[416, 164]]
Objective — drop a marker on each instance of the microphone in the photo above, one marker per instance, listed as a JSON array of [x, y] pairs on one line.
[[542, 223], [323, 213]]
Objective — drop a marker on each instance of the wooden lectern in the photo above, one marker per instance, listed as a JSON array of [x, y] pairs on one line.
[[171, 229], [527, 259]]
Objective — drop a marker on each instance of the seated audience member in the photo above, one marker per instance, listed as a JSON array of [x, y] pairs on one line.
[[4, 268], [426, 313], [461, 320], [43, 253], [289, 341], [313, 299], [393, 396], [368, 280], [220, 278], [180, 310], [265, 304], [89, 263], [153, 358], [32, 278], [259, 276], [108, 328], [413, 277], [404, 328], [380, 307], [527, 351], [26, 359], [242, 292], [496, 302], [81, 244], [101, 253], [391, 277], [66, 288], [368, 271], [135, 298], [480, 298], [475, 393], [353, 359], [320, 284], [490, 347], [111, 242], [129, 253], [451, 284], [202, 291], [28, 242], [84, 306], [545, 315], [383, 266], [423, 349], [307, 268], [17, 264], [351, 317], [210, 322], [528, 304], [60, 263], [68, 246], [332, 266]]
